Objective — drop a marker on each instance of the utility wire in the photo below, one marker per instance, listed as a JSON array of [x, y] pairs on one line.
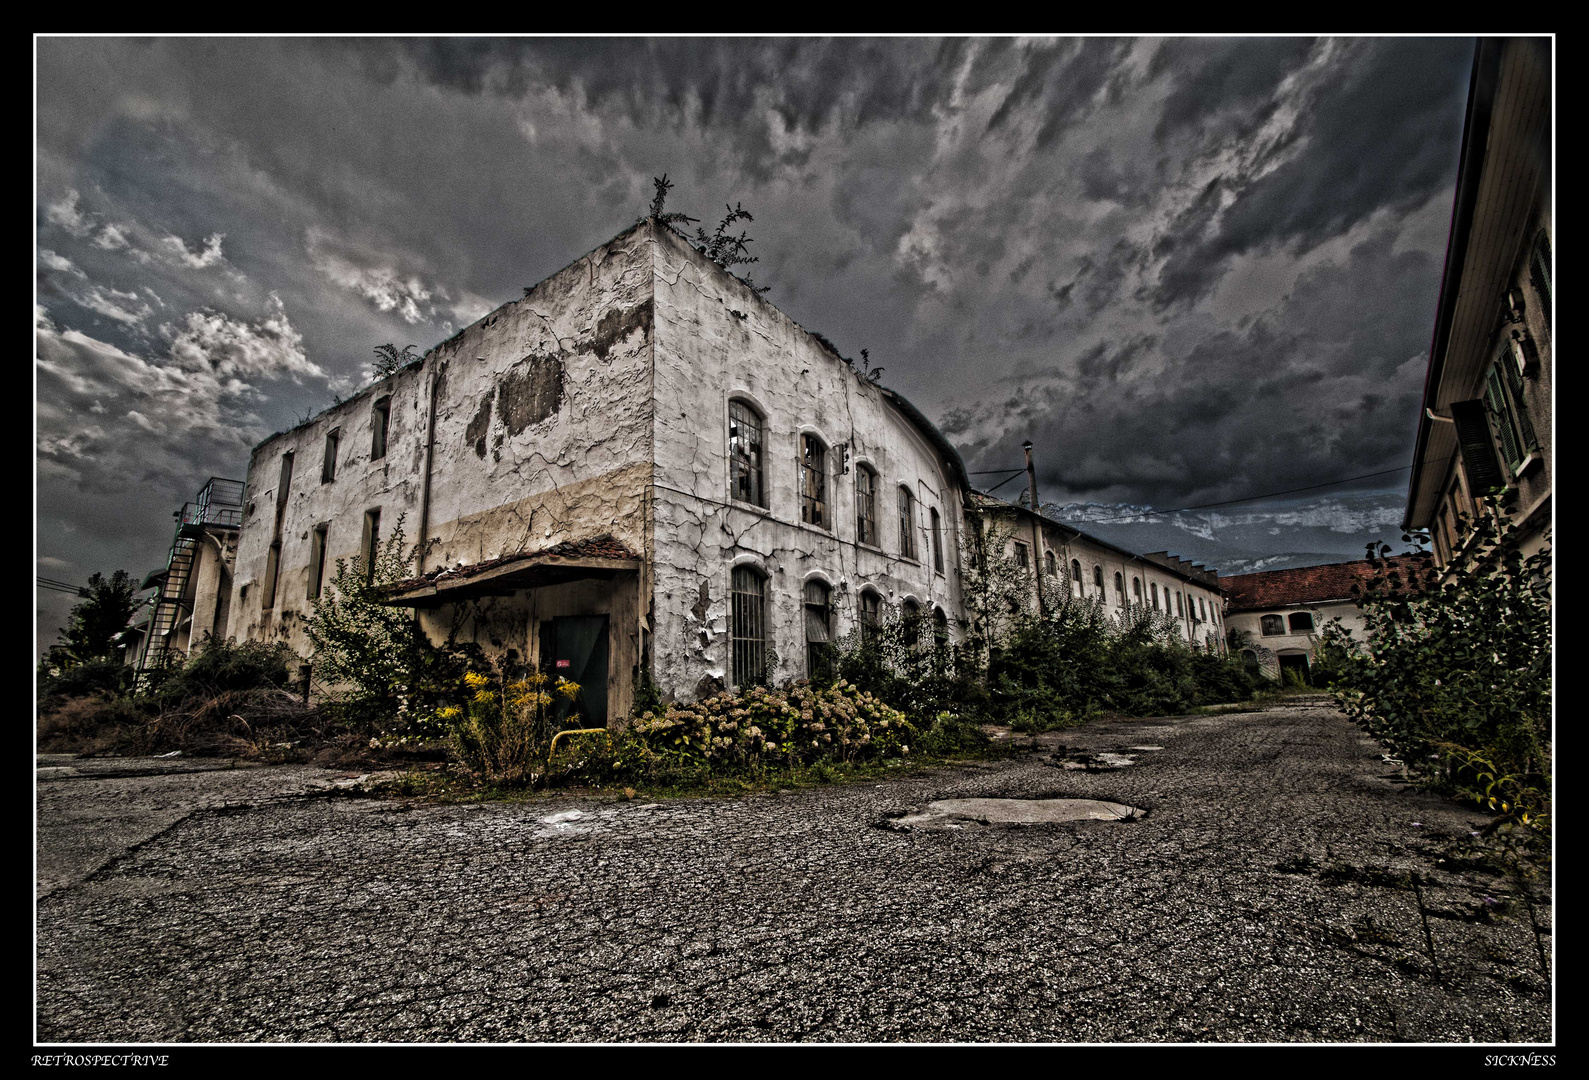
[[61, 586], [1229, 502]]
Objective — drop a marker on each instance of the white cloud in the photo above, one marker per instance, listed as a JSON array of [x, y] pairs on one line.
[[112, 238], [377, 277], [60, 262], [65, 213], [210, 256], [124, 307]]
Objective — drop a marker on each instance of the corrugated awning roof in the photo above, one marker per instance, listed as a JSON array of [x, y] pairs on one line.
[[598, 557]]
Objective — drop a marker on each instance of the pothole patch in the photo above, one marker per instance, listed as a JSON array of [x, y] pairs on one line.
[[1089, 761], [963, 813]]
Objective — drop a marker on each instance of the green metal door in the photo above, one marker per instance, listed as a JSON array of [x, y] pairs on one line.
[[575, 647]]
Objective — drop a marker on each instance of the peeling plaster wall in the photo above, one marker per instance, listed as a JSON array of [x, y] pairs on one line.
[[391, 484], [717, 340], [542, 433]]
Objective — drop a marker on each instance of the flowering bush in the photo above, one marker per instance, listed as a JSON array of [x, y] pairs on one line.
[[797, 725], [504, 730]]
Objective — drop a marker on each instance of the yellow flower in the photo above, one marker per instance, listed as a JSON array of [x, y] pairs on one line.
[[476, 681]]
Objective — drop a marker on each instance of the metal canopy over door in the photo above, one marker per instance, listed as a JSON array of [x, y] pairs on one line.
[[575, 647]]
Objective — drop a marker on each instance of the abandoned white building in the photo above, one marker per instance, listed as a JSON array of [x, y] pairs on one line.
[[640, 466], [1281, 612], [1086, 566], [1486, 420]]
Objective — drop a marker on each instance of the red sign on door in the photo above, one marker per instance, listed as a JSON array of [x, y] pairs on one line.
[[565, 663]]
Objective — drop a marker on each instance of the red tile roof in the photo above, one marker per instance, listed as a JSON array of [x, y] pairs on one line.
[[597, 547], [1310, 584]]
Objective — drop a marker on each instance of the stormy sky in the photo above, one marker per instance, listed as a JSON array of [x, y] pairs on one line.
[[1189, 270]]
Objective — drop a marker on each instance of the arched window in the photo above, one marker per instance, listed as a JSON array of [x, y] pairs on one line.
[[744, 454], [871, 614], [1097, 578], [1272, 624], [907, 523], [1053, 563], [937, 540], [1120, 589], [1301, 623], [748, 626], [1075, 575], [1180, 612], [940, 629], [814, 482], [1153, 587], [819, 632], [1250, 659], [1136, 590], [1202, 612], [865, 505], [910, 615]]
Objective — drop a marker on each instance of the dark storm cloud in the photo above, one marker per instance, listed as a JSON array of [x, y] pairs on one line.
[[1182, 267], [1363, 145]]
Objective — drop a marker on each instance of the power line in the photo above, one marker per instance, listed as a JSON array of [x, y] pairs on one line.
[[1229, 502], [61, 586]]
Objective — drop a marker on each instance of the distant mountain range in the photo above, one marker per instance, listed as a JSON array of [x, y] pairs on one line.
[[1243, 540]]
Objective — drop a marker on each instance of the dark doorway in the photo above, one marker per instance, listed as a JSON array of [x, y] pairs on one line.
[[575, 647], [1297, 662]]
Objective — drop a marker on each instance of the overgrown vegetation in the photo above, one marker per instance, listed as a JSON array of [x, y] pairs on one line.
[[92, 626], [1454, 675], [721, 245]]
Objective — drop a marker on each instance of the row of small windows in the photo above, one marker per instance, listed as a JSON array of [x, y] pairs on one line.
[[1301, 623], [380, 425], [747, 484], [369, 550], [749, 630], [1200, 612]]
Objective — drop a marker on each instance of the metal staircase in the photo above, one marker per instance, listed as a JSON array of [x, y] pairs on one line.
[[219, 506]]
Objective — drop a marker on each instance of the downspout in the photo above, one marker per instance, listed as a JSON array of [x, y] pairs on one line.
[[430, 451], [1037, 527]]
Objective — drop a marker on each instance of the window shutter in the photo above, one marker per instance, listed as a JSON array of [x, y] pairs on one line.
[[1496, 397], [1478, 452], [1525, 427]]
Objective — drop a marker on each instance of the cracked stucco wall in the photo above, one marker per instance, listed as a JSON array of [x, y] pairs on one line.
[[542, 433], [717, 340]]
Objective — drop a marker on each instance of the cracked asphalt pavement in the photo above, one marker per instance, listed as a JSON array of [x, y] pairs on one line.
[[1281, 887]]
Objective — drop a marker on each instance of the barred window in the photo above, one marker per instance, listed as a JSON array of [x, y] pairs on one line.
[[907, 523], [744, 454], [1272, 624], [813, 482], [865, 505], [819, 622], [749, 626]]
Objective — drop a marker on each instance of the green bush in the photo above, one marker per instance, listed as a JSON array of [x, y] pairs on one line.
[[106, 677], [1453, 675]]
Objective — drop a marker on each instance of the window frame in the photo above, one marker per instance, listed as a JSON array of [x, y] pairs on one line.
[[907, 524], [750, 464], [380, 427], [328, 465], [1264, 624], [811, 458], [936, 536], [866, 505], [1292, 620], [748, 651], [816, 660]]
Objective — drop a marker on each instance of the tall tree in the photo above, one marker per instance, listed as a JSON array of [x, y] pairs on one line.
[[97, 619]]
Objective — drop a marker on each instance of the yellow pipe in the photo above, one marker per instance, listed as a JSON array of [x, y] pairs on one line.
[[575, 731]]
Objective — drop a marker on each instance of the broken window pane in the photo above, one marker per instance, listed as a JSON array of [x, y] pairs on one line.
[[744, 453], [813, 482], [865, 506]]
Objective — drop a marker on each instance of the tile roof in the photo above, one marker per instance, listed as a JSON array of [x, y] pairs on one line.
[[597, 547], [1310, 584]]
